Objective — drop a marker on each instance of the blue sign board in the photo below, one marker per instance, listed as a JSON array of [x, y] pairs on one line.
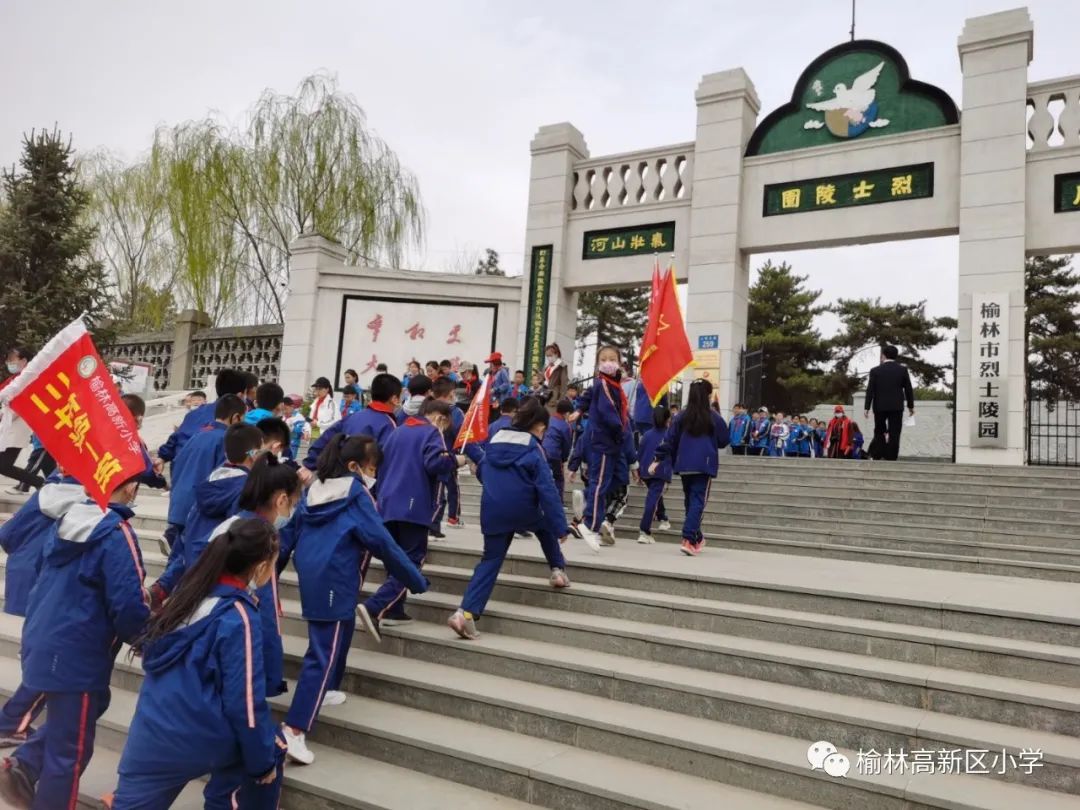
[[708, 342]]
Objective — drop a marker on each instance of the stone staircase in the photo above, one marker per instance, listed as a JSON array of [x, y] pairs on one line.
[[658, 681]]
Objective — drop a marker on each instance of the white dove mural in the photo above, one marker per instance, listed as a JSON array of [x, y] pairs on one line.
[[851, 110]]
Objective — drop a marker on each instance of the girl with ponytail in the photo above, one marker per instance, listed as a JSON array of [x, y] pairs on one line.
[[204, 690], [337, 530]]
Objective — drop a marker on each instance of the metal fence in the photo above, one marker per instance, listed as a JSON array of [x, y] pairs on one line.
[[751, 375], [1053, 433]]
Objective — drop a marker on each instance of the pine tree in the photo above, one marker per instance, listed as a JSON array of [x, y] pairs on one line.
[[47, 273], [1053, 329], [489, 265], [780, 322], [868, 324], [615, 317]]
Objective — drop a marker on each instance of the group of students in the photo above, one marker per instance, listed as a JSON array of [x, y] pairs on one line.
[[783, 436]]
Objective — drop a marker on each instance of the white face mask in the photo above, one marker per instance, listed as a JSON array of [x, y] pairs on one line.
[[369, 482], [551, 359], [13, 368], [281, 521], [609, 367]]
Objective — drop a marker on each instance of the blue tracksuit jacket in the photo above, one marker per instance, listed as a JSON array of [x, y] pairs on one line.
[[414, 459], [256, 415], [204, 693], [376, 420], [693, 454], [620, 473], [519, 492], [763, 427], [557, 441], [337, 526], [739, 430], [803, 445], [89, 595], [500, 386], [577, 452], [215, 500], [604, 404], [23, 538], [194, 421], [203, 454], [791, 447], [647, 453]]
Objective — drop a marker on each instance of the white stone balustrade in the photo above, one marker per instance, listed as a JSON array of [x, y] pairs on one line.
[[633, 179], [1054, 119]]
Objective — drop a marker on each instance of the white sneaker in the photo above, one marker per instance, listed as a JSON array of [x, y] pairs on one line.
[[368, 623], [664, 525], [297, 746], [591, 538], [333, 698], [559, 579], [577, 499], [646, 539], [607, 534]]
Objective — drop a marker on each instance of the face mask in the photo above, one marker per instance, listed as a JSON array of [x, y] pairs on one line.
[[551, 359], [609, 367], [369, 482], [13, 368], [281, 521]]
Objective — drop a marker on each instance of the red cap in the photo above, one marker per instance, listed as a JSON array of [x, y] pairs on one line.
[[838, 409], [496, 357]]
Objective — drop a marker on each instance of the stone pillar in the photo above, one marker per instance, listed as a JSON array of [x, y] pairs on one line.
[[995, 51], [188, 323], [310, 255], [727, 107], [554, 149]]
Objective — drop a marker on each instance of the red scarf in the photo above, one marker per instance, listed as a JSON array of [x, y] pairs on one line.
[[845, 433], [623, 407], [381, 407], [232, 582], [318, 403], [549, 370]]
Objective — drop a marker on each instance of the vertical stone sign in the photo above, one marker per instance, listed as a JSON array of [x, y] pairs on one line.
[[539, 292], [989, 369]]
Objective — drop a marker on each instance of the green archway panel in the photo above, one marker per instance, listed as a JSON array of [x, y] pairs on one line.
[[857, 90]]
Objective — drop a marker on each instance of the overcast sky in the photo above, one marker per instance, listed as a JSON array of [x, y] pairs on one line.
[[459, 88]]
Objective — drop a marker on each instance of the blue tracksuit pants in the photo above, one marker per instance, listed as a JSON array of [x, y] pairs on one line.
[[449, 501], [328, 647], [654, 504], [496, 546], [601, 471], [20, 710], [696, 488], [228, 789], [58, 752], [389, 599], [557, 474]]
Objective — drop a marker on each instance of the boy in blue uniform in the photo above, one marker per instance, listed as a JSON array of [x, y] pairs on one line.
[[350, 401], [229, 381], [89, 598], [499, 388], [204, 690], [415, 458], [740, 429], [201, 455], [557, 443], [760, 433], [378, 420], [791, 444], [449, 493], [519, 496], [269, 403], [23, 539], [804, 437], [655, 481]]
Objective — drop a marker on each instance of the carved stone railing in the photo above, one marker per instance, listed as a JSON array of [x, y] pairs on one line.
[[155, 349], [1055, 113], [250, 348], [633, 179]]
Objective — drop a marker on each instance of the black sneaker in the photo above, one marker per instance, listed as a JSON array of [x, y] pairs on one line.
[[575, 531], [396, 621], [522, 534], [15, 786], [437, 534]]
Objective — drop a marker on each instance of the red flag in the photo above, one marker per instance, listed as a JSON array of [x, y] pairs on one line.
[[475, 427], [67, 397], [665, 349]]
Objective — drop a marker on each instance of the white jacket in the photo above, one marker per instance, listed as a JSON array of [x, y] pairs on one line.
[[325, 412], [14, 432]]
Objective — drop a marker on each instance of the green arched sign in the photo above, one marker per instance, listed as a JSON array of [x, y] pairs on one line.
[[860, 89]]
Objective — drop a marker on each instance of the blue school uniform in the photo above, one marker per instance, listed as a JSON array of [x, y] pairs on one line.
[[450, 496], [557, 444], [377, 420], [697, 460], [89, 597], [761, 430], [215, 500], [203, 454], [415, 459], [500, 386], [655, 483], [256, 415], [803, 445], [194, 421], [204, 693], [348, 409], [739, 430], [606, 405], [338, 529], [791, 444], [519, 496]]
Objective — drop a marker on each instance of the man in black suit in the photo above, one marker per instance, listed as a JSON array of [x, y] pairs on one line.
[[887, 391]]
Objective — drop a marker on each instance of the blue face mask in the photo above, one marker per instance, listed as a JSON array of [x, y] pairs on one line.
[[13, 368], [281, 521]]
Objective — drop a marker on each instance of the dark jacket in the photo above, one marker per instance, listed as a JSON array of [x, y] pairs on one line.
[[88, 596], [202, 454], [889, 388], [415, 458], [194, 421], [647, 452], [377, 420], [337, 528], [519, 492], [693, 454], [608, 412], [204, 694]]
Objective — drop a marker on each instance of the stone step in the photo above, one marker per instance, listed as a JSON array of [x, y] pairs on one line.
[[337, 779]]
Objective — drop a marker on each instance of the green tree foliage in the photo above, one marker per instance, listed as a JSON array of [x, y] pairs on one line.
[[868, 324], [489, 265], [780, 322], [1053, 329], [615, 317], [48, 273]]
